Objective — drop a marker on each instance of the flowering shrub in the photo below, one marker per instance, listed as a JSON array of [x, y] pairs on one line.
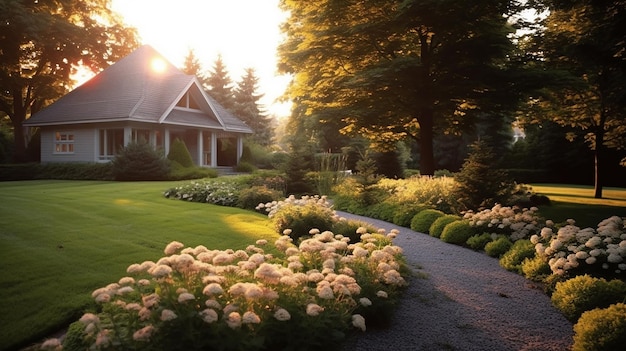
[[435, 192], [208, 191], [577, 251], [305, 297], [514, 222]]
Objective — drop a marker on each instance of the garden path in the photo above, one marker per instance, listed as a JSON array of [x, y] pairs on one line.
[[460, 299]]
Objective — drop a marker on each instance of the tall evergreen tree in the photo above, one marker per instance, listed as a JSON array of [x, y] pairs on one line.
[[389, 70], [41, 44], [219, 85], [247, 108], [193, 67]]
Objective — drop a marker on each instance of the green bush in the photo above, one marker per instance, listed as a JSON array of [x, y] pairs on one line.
[[498, 247], [601, 329], [348, 228], [384, 211], [404, 213], [457, 232], [245, 167], [436, 228], [250, 198], [301, 219], [422, 221], [139, 161], [535, 268], [584, 293], [179, 153], [477, 242], [178, 172], [521, 250]]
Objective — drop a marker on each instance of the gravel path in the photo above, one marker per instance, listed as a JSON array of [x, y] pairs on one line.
[[459, 299]]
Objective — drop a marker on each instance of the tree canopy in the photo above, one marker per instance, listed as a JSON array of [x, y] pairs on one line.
[[388, 70], [248, 108], [219, 84], [42, 44]]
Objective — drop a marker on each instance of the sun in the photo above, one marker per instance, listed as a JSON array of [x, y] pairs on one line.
[[158, 65]]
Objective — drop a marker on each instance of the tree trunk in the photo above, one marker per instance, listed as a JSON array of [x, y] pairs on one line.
[[19, 138], [427, 158], [599, 165]]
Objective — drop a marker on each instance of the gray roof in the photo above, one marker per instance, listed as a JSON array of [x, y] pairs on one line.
[[130, 90]]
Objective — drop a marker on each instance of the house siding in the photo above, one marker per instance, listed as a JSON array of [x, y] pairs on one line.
[[84, 146]]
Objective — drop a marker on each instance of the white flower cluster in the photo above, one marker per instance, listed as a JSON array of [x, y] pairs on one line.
[[241, 288], [320, 201], [515, 222], [570, 247], [206, 191]]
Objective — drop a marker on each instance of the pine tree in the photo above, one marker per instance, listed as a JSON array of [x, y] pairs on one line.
[[192, 66], [219, 84], [247, 108]]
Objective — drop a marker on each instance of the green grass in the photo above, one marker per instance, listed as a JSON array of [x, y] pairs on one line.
[[577, 202], [60, 240]]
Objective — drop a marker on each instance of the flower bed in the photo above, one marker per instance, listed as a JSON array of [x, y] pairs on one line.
[[304, 297]]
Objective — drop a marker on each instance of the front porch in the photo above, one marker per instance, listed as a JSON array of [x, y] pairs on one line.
[[215, 149]]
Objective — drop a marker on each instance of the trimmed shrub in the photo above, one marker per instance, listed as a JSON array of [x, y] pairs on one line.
[[348, 229], [437, 227], [457, 232], [584, 293], [179, 153], [404, 214], [250, 198], [139, 161], [245, 167], [601, 329], [422, 221], [535, 268], [512, 259], [477, 242], [498, 247], [384, 211]]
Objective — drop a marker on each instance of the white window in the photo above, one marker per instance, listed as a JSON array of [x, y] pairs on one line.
[[63, 143], [111, 142]]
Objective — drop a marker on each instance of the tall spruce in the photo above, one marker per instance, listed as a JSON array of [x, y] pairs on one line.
[[219, 85], [389, 70], [249, 110], [192, 66]]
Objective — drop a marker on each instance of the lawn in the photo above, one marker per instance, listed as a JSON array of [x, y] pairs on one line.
[[60, 240], [577, 202]]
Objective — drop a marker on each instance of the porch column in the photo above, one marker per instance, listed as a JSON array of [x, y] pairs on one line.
[[213, 149], [166, 141], [239, 147], [128, 135], [200, 148]]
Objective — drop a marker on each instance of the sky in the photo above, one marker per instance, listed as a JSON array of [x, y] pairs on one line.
[[245, 32]]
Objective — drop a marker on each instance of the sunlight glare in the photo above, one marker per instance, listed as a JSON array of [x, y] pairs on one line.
[[158, 65]]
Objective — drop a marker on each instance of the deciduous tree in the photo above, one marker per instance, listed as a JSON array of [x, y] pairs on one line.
[[43, 42]]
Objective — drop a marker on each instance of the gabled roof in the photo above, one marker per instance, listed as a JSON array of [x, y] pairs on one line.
[[131, 90]]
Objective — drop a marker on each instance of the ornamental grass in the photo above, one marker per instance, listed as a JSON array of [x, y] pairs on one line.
[[305, 297]]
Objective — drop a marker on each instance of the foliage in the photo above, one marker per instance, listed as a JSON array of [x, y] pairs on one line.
[[66, 171], [434, 192], [248, 109], [250, 198], [349, 228], [514, 222], [300, 216], [391, 70], [213, 191], [180, 154], [219, 84], [535, 268], [477, 242], [480, 184], [305, 297], [601, 329], [520, 251], [583, 293], [498, 247], [422, 221], [139, 161], [245, 167], [404, 213], [575, 251], [42, 44], [457, 232], [436, 228], [178, 172]]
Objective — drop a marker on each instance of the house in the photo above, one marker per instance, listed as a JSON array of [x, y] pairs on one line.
[[141, 98]]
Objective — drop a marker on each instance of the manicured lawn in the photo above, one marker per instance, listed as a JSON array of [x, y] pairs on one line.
[[60, 240], [577, 202]]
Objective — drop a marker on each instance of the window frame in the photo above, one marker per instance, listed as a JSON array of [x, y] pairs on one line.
[[64, 140]]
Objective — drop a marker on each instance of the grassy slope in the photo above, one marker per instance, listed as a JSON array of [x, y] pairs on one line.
[[59, 240], [577, 202]]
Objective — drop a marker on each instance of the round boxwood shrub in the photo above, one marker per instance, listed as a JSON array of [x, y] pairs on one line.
[[535, 268], [437, 227], [584, 293], [498, 247], [521, 250], [422, 221], [457, 232], [301, 219], [477, 242], [601, 329], [250, 198], [179, 153], [405, 213], [139, 161]]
